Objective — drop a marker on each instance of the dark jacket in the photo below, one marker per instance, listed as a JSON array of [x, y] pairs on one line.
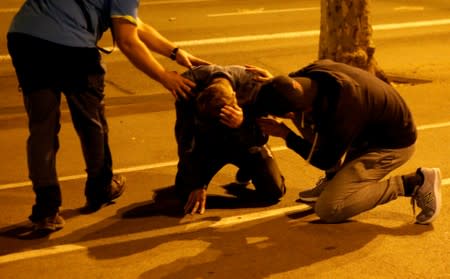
[[204, 142], [354, 111]]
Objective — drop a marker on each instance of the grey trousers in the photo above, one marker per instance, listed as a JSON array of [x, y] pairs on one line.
[[358, 185]]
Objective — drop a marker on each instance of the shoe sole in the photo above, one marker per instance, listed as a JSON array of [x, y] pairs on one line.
[[93, 207], [308, 199], [437, 191], [48, 228]]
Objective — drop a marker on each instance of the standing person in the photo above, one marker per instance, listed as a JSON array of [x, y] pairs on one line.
[[53, 46], [357, 129], [217, 126]]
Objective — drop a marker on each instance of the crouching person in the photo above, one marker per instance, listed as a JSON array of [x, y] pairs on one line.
[[356, 128], [217, 126]]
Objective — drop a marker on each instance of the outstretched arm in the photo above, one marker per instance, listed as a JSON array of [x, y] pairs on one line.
[[158, 43], [135, 49]]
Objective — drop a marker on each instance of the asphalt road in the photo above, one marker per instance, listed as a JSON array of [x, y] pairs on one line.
[[140, 237]]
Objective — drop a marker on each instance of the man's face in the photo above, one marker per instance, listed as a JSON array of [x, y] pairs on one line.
[[213, 99], [228, 99]]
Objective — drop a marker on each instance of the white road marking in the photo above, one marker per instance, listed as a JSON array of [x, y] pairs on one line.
[[249, 38], [233, 220], [54, 250], [433, 126], [412, 24], [256, 239], [171, 2], [290, 35], [409, 8], [263, 11], [183, 228], [174, 163], [9, 10]]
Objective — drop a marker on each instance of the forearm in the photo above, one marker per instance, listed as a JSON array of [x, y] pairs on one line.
[[141, 57], [154, 40]]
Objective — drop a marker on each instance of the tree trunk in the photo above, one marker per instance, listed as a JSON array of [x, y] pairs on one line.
[[346, 34]]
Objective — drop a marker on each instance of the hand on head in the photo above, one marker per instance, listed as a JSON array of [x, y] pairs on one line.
[[261, 74], [188, 60], [231, 116], [178, 85]]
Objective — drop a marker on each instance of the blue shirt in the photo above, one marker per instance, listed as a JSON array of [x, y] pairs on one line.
[[63, 21]]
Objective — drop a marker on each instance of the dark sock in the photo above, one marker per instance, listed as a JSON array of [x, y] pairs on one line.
[[411, 181]]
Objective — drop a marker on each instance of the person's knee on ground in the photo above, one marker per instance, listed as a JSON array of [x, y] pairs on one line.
[[329, 212], [267, 178], [268, 187]]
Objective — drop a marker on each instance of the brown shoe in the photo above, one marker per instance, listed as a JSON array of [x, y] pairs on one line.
[[49, 224], [115, 190]]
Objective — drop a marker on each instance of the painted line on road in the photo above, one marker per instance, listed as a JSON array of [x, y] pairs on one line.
[[151, 3], [9, 10], [310, 33], [290, 35], [249, 38], [414, 24], [409, 8], [174, 163], [80, 176], [183, 228], [262, 11]]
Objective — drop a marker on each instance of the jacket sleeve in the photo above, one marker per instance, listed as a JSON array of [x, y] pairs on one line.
[[341, 123], [298, 144]]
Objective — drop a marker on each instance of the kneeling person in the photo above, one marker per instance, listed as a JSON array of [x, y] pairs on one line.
[[217, 126]]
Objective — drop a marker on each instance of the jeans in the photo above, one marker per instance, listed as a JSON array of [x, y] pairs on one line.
[[358, 186], [45, 72]]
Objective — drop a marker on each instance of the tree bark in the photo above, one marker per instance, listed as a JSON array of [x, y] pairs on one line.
[[346, 34]]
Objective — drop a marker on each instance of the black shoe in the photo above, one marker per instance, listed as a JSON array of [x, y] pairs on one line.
[[115, 190], [49, 224]]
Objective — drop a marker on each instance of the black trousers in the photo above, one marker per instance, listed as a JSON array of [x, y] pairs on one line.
[[197, 168], [46, 71]]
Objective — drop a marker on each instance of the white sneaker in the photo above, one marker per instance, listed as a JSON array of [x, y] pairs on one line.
[[428, 195]]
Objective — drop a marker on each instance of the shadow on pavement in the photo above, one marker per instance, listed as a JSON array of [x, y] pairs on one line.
[[255, 249], [251, 250], [12, 237], [166, 203]]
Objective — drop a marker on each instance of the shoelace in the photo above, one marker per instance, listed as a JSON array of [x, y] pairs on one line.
[[321, 180], [414, 199]]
